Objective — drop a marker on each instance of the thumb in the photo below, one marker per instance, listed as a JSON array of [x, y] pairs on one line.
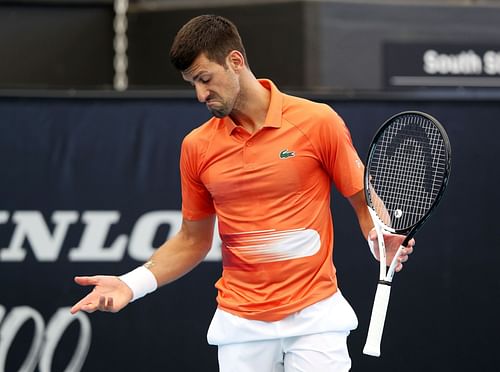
[[372, 235], [86, 280]]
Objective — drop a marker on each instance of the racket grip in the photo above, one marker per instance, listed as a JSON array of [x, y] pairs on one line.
[[376, 328]]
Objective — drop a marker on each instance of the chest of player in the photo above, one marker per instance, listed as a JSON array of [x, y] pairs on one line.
[[270, 164]]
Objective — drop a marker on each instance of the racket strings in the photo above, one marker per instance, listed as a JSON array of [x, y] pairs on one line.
[[407, 170]]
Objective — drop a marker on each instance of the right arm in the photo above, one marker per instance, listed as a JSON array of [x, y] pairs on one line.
[[174, 258]]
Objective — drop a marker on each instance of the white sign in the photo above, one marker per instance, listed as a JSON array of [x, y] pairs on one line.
[[46, 245], [46, 337]]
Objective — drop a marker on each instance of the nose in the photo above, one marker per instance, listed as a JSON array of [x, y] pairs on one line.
[[201, 93]]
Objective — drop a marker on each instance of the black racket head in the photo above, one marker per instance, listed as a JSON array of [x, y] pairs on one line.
[[407, 170]]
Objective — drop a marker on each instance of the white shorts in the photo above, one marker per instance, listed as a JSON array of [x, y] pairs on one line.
[[322, 352], [313, 339]]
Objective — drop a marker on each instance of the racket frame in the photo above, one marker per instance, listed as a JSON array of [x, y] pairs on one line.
[[382, 295]]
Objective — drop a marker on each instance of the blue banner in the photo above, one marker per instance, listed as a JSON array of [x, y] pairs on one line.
[[91, 186]]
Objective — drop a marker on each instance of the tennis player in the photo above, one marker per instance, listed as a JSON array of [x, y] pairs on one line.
[[264, 165]]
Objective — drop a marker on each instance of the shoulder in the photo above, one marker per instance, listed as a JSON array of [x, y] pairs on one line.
[[200, 136], [196, 144], [310, 115]]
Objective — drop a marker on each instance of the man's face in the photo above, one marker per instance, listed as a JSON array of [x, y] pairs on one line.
[[217, 86]]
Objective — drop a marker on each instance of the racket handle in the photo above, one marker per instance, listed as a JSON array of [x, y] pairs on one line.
[[376, 328]]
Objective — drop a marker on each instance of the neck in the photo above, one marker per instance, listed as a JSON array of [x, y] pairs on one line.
[[253, 104]]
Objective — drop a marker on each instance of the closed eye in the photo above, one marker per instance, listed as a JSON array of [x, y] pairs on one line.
[[205, 79]]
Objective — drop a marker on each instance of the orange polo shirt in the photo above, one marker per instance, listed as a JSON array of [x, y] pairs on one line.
[[270, 191]]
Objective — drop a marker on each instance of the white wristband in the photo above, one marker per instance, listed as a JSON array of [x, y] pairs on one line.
[[141, 281]]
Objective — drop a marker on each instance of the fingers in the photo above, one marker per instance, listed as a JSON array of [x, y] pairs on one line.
[[74, 309], [90, 304], [95, 300], [106, 304], [399, 267], [372, 235], [86, 280], [403, 257], [83, 305]]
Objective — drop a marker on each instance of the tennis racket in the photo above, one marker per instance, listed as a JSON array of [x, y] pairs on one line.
[[406, 174]]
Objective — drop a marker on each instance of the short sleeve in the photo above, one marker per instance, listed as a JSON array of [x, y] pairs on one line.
[[338, 154]]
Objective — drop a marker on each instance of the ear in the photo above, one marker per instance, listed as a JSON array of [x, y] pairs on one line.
[[236, 60]]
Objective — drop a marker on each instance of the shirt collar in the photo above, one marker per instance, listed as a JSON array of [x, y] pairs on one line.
[[273, 117]]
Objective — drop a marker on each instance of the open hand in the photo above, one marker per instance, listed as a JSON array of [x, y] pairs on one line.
[[109, 294]]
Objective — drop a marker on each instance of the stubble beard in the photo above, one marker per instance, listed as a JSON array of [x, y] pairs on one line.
[[225, 106], [219, 113], [222, 110]]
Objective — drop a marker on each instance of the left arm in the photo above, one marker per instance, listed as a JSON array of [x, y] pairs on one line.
[[392, 241], [358, 202]]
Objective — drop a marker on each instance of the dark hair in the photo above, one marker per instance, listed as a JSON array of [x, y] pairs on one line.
[[215, 36]]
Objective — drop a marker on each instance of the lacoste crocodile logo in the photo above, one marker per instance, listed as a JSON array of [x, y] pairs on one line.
[[285, 154]]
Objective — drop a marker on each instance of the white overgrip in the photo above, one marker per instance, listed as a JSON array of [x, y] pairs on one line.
[[376, 328]]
